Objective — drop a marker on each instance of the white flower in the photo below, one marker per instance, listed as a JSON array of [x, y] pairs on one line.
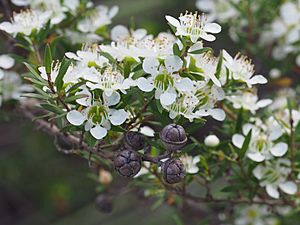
[[255, 215], [220, 10], [110, 81], [208, 65], [248, 100], [283, 117], [211, 141], [26, 22], [71, 75], [262, 144], [164, 79], [241, 69], [275, 176], [97, 118], [194, 26], [78, 37], [136, 44], [6, 62], [100, 17], [280, 101], [11, 86], [190, 163]]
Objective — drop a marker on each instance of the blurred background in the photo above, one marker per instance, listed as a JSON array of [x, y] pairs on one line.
[[39, 185]]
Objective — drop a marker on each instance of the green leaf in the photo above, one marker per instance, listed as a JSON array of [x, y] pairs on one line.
[[176, 50], [245, 145], [219, 66], [201, 51], [239, 121], [73, 98], [52, 108], [61, 73], [48, 59], [34, 72]]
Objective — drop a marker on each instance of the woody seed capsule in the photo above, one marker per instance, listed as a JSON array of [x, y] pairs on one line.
[[173, 171], [127, 162], [134, 140], [173, 137]]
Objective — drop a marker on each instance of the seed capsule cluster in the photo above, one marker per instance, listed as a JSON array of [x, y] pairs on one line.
[[128, 160]]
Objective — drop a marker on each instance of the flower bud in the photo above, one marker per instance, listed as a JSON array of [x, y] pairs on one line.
[[211, 141], [173, 137], [173, 170], [127, 162], [134, 140], [104, 203]]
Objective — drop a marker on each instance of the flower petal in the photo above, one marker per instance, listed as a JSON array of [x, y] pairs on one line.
[[256, 156], [173, 63], [119, 32], [174, 22], [218, 114], [144, 84], [212, 28], [75, 118], [113, 99], [272, 191], [150, 65], [238, 140], [289, 187], [118, 117], [167, 98], [98, 132], [184, 84], [258, 79], [279, 149], [6, 62]]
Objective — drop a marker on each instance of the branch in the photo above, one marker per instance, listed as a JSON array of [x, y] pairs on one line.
[[29, 110]]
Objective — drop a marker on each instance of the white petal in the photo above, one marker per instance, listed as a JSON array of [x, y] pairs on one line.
[[113, 11], [185, 84], [98, 132], [150, 65], [173, 63], [167, 98], [258, 79], [144, 84], [208, 37], [118, 117], [258, 172], [148, 131], [272, 191], [256, 156], [6, 61], [119, 32], [279, 149], [263, 103], [212, 28], [139, 33], [75, 118], [238, 140], [113, 99], [174, 22], [218, 114], [289, 187]]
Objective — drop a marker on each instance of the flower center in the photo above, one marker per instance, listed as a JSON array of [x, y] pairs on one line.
[[162, 81], [111, 77], [98, 114], [192, 23]]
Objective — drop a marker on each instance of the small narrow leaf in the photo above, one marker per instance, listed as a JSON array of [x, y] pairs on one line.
[[48, 59], [245, 145], [201, 51], [61, 73]]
